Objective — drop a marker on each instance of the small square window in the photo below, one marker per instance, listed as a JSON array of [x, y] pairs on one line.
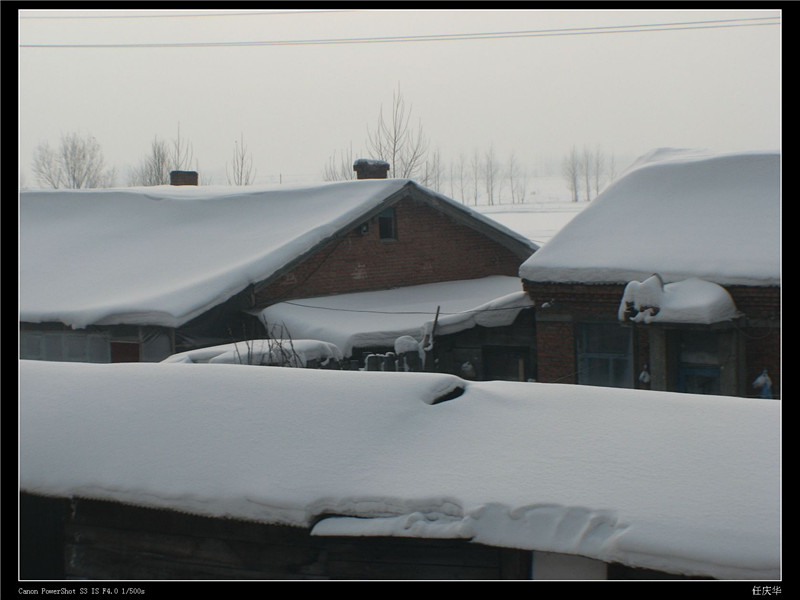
[[387, 225]]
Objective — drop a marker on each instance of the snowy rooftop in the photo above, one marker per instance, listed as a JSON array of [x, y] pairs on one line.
[[164, 255], [371, 319], [677, 213], [675, 482]]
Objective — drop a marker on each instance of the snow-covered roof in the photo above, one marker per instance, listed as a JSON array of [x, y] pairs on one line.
[[369, 319], [164, 255], [675, 482], [677, 213]]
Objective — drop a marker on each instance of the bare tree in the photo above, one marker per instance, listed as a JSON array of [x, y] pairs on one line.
[[241, 171], [586, 171], [490, 170], [461, 177], [397, 141], [599, 170], [433, 173], [182, 154], [47, 166], [154, 168], [570, 169], [517, 182], [340, 166], [475, 171], [77, 163]]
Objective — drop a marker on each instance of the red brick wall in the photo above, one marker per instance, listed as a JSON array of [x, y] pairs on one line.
[[555, 340], [556, 345], [430, 247], [585, 301]]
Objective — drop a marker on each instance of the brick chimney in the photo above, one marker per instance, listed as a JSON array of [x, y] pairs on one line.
[[367, 168], [183, 177]]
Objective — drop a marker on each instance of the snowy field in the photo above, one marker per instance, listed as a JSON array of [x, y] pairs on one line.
[[675, 482], [547, 207], [538, 222]]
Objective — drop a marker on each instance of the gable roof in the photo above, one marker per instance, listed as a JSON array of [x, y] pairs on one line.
[[675, 482], [164, 255], [679, 214]]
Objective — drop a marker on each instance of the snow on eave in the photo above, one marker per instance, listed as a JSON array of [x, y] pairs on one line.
[[499, 312]]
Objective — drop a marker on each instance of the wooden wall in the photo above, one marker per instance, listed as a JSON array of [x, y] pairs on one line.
[[108, 540]]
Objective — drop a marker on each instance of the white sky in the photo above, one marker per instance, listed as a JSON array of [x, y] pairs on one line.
[[689, 86]]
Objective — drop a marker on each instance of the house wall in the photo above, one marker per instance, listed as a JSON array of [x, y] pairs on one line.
[[76, 539], [492, 352], [97, 344], [86, 539], [746, 348], [430, 247], [565, 567], [558, 308]]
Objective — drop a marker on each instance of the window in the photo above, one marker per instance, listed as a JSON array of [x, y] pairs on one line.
[[70, 347], [387, 225], [506, 363], [698, 362], [605, 355]]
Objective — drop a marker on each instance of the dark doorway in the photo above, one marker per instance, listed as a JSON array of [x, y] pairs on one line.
[[695, 379], [507, 363]]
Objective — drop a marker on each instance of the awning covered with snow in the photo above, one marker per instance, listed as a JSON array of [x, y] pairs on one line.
[[377, 319]]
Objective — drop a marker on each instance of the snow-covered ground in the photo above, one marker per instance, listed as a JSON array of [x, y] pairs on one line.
[[675, 482], [538, 221], [546, 208]]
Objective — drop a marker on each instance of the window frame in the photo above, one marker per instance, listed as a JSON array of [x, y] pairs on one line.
[[618, 371], [387, 224]]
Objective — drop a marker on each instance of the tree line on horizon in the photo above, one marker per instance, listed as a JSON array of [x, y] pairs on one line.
[[77, 162]]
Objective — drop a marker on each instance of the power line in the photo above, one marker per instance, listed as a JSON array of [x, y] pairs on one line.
[[401, 312], [185, 15], [675, 26]]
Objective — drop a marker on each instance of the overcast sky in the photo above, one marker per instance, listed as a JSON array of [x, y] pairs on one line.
[[679, 78]]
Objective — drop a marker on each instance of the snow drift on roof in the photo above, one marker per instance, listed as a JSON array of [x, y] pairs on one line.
[[676, 482], [163, 255], [680, 214], [690, 301]]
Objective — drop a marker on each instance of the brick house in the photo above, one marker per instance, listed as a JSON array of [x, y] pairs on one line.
[[138, 274], [670, 280]]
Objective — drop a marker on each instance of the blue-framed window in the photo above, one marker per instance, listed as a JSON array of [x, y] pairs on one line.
[[605, 355]]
